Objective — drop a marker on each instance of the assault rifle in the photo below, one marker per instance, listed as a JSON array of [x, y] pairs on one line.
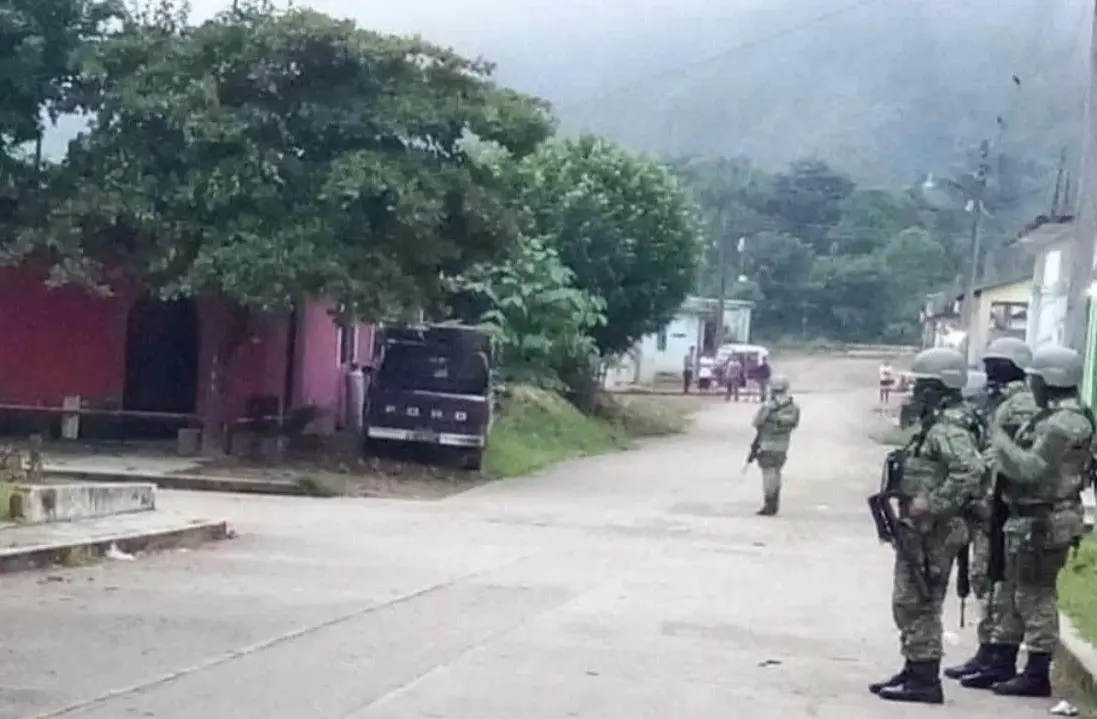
[[963, 579], [887, 507], [752, 455], [999, 513]]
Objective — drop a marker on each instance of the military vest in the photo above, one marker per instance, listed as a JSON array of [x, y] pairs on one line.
[[1066, 481], [926, 467]]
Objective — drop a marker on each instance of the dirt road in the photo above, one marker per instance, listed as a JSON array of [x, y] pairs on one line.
[[633, 586]]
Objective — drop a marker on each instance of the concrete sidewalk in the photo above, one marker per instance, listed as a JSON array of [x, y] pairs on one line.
[[632, 586]]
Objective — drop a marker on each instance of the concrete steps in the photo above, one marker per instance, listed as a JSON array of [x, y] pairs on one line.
[[38, 503], [192, 482], [69, 523]]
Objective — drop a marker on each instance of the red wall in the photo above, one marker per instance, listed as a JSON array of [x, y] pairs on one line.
[[65, 341], [258, 365], [57, 342]]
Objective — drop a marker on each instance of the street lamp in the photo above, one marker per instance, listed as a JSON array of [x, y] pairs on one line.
[[973, 204]]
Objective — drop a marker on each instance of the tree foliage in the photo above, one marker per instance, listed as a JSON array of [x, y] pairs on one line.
[[265, 156], [541, 321], [827, 258], [621, 223], [40, 44]]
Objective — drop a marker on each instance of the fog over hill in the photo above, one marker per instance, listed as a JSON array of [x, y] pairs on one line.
[[885, 89]]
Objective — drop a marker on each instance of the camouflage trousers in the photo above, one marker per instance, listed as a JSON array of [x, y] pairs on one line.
[[771, 463], [990, 596], [918, 618], [1028, 610]]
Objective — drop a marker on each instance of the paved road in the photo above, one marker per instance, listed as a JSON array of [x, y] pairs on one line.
[[632, 586]]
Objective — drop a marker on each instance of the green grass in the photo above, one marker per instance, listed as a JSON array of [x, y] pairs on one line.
[[537, 428], [1078, 589]]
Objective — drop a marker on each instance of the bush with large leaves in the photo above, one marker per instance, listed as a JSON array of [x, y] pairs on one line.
[[541, 321]]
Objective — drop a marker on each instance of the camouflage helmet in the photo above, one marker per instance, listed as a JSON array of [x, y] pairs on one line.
[[779, 384], [1009, 348], [1058, 366], [941, 363]]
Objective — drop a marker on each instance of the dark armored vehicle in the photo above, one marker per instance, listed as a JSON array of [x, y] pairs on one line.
[[432, 388]]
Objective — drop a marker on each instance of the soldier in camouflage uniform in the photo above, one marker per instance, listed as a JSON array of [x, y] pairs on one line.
[[775, 421], [1009, 405], [942, 473], [1044, 470]]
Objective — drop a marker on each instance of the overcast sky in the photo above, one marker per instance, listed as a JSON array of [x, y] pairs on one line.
[[911, 80]]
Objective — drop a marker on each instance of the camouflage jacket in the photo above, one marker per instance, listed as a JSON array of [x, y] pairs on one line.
[[775, 421], [1012, 408], [1046, 460], [943, 463]]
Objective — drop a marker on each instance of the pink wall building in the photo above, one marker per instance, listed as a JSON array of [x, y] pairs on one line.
[[58, 342]]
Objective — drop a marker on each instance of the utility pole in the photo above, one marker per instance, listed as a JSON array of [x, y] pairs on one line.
[[722, 298], [967, 306], [1081, 266]]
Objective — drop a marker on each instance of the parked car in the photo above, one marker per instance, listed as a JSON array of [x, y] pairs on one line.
[[749, 356], [432, 387]]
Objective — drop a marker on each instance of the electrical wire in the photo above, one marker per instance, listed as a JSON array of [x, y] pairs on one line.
[[1006, 118], [728, 52]]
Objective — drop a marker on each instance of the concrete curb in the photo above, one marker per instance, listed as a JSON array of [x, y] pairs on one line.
[[193, 482], [1077, 658], [21, 559]]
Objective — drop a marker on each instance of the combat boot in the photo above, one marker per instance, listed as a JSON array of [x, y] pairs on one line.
[[921, 686], [1001, 667], [877, 687], [973, 665], [769, 507], [1034, 681]]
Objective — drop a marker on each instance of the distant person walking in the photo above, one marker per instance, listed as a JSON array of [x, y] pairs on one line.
[[733, 378], [762, 373], [687, 370], [887, 382]]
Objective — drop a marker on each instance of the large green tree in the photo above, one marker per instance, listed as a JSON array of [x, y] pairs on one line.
[[807, 199], [622, 224], [40, 45], [266, 156]]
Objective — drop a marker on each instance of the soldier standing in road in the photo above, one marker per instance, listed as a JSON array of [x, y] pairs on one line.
[[942, 473], [1009, 405], [775, 422], [1044, 470]]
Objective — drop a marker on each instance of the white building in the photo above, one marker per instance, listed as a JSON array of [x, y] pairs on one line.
[[1051, 244], [663, 353]]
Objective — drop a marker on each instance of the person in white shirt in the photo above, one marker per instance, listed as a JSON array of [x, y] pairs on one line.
[[687, 370], [887, 381]]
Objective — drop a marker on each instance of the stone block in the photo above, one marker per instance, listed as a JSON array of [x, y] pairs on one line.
[[39, 503], [188, 442], [242, 444]]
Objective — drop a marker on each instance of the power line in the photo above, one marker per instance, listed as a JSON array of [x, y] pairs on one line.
[[733, 50]]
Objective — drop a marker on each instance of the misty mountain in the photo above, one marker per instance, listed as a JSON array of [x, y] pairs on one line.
[[884, 89]]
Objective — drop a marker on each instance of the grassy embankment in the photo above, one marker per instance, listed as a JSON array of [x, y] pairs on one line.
[[538, 428]]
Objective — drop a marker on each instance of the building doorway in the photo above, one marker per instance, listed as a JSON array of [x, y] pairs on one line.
[[162, 341]]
